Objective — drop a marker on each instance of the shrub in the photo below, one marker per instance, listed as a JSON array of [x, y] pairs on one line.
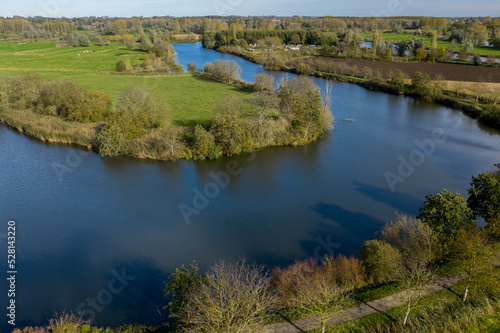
[[346, 271], [192, 67], [289, 280], [303, 68], [137, 112], [223, 70], [476, 60], [68, 100], [204, 144], [264, 82], [380, 260], [422, 87], [421, 54], [397, 81], [228, 128], [23, 91], [121, 66]]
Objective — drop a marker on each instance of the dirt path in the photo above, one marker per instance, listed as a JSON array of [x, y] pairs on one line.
[[358, 311]]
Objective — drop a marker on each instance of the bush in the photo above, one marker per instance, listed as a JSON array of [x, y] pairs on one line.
[[204, 144], [289, 280], [228, 128], [303, 68], [264, 82], [121, 66], [397, 81], [381, 261], [192, 67], [66, 99], [224, 71], [476, 60], [23, 91], [422, 87], [301, 102], [129, 43], [346, 271], [137, 112], [421, 54]]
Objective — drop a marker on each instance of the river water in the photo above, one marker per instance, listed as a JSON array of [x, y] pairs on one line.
[[101, 235]]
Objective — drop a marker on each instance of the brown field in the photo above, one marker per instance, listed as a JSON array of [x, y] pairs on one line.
[[450, 72]]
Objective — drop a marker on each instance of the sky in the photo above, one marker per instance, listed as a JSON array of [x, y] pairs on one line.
[[129, 8]]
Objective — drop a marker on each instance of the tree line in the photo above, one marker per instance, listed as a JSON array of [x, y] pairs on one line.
[[236, 296]]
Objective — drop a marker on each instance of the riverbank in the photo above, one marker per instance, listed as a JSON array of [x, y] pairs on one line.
[[477, 98], [140, 126]]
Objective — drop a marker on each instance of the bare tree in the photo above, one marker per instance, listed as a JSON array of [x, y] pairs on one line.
[[312, 290], [232, 297], [418, 246]]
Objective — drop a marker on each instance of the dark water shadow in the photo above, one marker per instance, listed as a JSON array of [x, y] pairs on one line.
[[403, 201]]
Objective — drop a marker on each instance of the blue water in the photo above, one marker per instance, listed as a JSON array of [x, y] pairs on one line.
[[82, 219]]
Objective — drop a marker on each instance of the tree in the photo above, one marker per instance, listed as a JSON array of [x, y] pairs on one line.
[[317, 291], [375, 42], [146, 44], [232, 297], [454, 45], [446, 213], [416, 243], [322, 297], [192, 67], [118, 27], [229, 130], [129, 43], [421, 54], [434, 43], [484, 197], [225, 71], [467, 45], [264, 82], [177, 287], [397, 80], [301, 102], [491, 116], [121, 66], [473, 256], [380, 260], [424, 88], [204, 144], [137, 112], [476, 60]]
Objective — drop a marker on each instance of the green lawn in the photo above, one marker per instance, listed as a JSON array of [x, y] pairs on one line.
[[192, 99], [16, 47]]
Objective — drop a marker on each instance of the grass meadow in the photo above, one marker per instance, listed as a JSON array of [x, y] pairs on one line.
[[192, 99]]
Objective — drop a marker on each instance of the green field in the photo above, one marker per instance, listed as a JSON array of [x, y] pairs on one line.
[[428, 41], [192, 99]]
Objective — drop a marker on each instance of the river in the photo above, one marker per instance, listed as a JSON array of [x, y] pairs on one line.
[[101, 235]]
